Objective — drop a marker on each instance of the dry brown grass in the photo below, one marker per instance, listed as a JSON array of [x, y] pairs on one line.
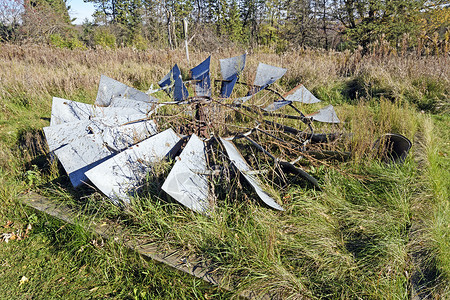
[[42, 68]]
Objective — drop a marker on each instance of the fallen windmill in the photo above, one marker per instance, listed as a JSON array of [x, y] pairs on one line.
[[114, 143]]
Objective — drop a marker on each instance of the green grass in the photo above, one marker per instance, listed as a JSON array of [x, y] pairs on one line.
[[62, 261], [438, 174], [376, 231]]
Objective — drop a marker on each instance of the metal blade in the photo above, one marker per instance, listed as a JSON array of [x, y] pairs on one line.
[[325, 115], [174, 81], [230, 68], [88, 151], [240, 163], [200, 73], [62, 134], [68, 111], [301, 94], [265, 76], [109, 88], [277, 105], [242, 100], [186, 182], [120, 176], [297, 94], [149, 108], [81, 157]]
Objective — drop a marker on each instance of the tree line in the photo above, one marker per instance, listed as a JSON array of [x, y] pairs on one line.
[[401, 25]]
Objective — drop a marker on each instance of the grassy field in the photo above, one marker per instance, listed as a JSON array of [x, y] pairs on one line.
[[375, 231]]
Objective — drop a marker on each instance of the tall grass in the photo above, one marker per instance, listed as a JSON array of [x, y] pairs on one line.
[[435, 208], [352, 240]]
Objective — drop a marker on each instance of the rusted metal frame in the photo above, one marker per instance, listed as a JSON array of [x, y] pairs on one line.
[[254, 143], [264, 113], [201, 117], [315, 138], [261, 148], [282, 165], [272, 136], [293, 169], [285, 128], [189, 100], [233, 107], [302, 117], [269, 134]]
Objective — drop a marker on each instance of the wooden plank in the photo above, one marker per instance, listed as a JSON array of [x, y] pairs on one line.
[[192, 265]]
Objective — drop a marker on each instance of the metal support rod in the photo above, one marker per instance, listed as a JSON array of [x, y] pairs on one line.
[[285, 128], [283, 164], [261, 148], [271, 135]]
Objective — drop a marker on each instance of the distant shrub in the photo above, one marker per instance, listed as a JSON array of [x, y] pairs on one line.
[[427, 93], [139, 42], [104, 38], [66, 42]]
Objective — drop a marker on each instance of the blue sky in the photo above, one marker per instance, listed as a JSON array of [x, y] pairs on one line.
[[80, 10]]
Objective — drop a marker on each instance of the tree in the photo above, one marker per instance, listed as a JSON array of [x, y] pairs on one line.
[[302, 22], [105, 10], [365, 21], [435, 29], [234, 26], [251, 16], [10, 17], [129, 15], [43, 18]]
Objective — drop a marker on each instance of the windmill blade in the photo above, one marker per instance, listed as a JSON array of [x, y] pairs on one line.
[[120, 176], [88, 151], [277, 105], [147, 107], [265, 76], [79, 158], [230, 68], [297, 94], [68, 111], [109, 88], [242, 100], [301, 94], [186, 182], [174, 82], [62, 134], [325, 115], [200, 74], [240, 163]]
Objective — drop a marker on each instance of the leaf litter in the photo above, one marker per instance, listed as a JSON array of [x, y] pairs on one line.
[[17, 234]]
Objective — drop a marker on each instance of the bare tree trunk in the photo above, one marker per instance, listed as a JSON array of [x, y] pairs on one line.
[[174, 36], [169, 30], [324, 19], [185, 27]]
